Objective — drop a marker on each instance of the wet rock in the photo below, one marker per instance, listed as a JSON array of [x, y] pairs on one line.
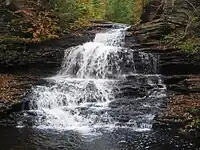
[[2, 101], [120, 102], [179, 63], [13, 90], [167, 124], [183, 83], [180, 69]]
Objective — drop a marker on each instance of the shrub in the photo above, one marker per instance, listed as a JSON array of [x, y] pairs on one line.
[[71, 12], [66, 10], [125, 11], [37, 25], [119, 11], [186, 44], [76, 13], [39, 20], [190, 45]]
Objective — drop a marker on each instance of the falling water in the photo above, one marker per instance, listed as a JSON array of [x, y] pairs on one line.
[[101, 85]]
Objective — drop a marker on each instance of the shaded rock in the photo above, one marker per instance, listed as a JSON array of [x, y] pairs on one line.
[[13, 89], [181, 70], [34, 58], [179, 63]]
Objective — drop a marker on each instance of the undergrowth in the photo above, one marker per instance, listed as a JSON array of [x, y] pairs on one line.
[[39, 20], [189, 44]]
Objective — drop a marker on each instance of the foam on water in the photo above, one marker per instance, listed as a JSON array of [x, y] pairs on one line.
[[78, 97]]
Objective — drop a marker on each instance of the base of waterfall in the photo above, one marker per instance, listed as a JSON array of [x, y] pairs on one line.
[[109, 104], [101, 86]]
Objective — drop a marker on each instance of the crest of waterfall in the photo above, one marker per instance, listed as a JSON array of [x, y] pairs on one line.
[[97, 59], [96, 85]]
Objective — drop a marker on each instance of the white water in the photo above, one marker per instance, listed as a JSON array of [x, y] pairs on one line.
[[78, 97], [95, 59]]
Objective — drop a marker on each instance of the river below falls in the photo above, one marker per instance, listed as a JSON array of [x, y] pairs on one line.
[[104, 97], [119, 139]]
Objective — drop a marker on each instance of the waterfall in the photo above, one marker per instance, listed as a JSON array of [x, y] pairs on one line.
[[101, 85]]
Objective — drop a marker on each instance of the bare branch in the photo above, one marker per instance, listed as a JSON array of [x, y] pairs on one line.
[[191, 5]]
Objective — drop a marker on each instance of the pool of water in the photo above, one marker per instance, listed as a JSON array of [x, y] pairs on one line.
[[118, 139]]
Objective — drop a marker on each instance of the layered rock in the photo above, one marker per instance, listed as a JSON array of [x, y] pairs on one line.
[[180, 69], [12, 90]]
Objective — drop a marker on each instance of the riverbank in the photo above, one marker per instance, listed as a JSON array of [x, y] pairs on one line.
[[13, 88]]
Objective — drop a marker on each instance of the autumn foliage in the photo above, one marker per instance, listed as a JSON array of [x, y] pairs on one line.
[[40, 20], [38, 25]]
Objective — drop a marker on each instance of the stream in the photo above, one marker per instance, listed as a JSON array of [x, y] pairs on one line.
[[104, 97]]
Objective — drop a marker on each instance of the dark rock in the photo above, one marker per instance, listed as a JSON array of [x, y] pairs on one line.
[[179, 63], [174, 79], [34, 58], [164, 124], [2, 101], [152, 11], [181, 70]]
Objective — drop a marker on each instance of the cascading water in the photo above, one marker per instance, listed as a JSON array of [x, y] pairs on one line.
[[101, 85]]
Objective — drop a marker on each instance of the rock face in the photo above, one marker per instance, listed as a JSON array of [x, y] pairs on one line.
[[181, 70], [37, 57], [12, 90]]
